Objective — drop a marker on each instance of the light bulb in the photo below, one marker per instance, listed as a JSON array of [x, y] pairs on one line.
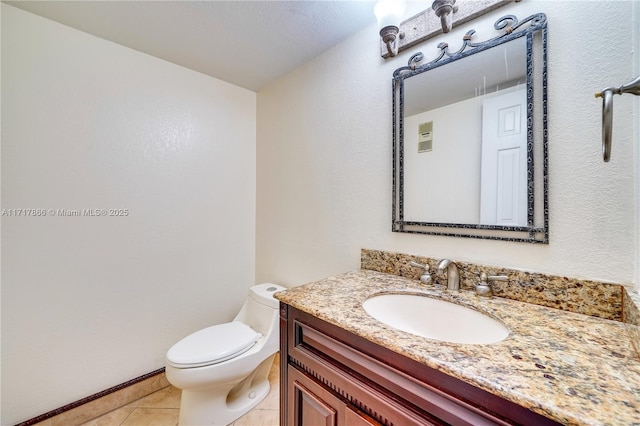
[[389, 12]]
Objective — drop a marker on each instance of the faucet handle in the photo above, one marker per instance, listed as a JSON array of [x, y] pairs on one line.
[[426, 277], [483, 289], [419, 265], [495, 277]]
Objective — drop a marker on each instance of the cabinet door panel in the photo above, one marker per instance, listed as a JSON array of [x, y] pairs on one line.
[[311, 405], [354, 418], [311, 410]]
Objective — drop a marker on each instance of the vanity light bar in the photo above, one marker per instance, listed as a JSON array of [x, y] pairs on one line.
[[427, 24]]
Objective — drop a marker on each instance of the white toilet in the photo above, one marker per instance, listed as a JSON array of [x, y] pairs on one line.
[[223, 370]]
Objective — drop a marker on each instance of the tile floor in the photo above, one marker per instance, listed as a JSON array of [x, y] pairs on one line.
[[161, 409]]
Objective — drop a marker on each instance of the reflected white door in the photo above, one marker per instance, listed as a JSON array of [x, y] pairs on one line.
[[503, 185]]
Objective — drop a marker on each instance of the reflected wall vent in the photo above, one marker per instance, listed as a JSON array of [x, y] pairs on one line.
[[425, 137]]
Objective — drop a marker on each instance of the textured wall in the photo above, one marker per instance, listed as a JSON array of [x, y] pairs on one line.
[[324, 156], [90, 302]]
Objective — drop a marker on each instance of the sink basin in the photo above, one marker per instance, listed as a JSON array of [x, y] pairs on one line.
[[435, 319]]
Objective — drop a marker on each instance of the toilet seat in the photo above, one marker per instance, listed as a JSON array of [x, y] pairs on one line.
[[212, 345]]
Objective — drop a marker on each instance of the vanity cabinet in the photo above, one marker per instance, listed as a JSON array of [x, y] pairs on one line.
[[313, 404], [330, 376]]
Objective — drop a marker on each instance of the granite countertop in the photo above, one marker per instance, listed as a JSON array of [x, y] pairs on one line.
[[573, 368]]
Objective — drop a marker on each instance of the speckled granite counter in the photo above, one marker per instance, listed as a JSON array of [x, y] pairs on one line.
[[573, 368]]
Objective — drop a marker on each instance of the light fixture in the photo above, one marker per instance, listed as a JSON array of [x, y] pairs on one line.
[[389, 13], [444, 10], [431, 22]]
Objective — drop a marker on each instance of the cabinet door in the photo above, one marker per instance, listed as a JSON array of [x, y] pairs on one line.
[[310, 404], [355, 418]]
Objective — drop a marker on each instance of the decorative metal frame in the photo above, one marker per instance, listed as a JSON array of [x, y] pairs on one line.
[[512, 30]]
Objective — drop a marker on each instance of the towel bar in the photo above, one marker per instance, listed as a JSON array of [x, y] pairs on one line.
[[607, 112]]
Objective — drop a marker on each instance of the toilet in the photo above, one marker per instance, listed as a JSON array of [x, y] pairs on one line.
[[223, 370]]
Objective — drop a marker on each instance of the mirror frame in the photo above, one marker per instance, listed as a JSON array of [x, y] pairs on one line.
[[513, 29]]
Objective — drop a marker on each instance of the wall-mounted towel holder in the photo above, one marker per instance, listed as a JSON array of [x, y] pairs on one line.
[[607, 112]]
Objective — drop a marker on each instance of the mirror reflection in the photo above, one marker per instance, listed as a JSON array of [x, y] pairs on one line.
[[470, 139]]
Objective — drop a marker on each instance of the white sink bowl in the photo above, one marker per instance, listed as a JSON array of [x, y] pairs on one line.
[[435, 319]]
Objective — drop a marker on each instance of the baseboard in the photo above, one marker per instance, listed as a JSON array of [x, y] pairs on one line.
[[100, 403]]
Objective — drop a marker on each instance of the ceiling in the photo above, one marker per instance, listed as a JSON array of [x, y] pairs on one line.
[[500, 67], [246, 43]]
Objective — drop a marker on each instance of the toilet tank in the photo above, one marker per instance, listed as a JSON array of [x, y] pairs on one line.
[[263, 294], [261, 310]]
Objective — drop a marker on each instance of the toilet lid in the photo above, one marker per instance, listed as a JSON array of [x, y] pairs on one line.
[[212, 345]]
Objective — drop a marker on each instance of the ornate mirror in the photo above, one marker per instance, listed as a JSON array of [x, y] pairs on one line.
[[470, 137]]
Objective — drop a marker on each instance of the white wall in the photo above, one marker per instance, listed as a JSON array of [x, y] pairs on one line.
[[90, 302], [434, 191], [324, 156]]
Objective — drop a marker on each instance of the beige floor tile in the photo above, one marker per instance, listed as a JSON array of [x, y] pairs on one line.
[[44, 423], [258, 417], [274, 373], [90, 410], [161, 408], [146, 387], [168, 397], [153, 417], [114, 418]]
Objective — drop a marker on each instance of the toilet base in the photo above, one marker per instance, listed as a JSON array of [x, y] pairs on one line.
[[223, 404]]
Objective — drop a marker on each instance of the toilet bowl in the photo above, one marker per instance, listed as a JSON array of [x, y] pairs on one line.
[[223, 370]]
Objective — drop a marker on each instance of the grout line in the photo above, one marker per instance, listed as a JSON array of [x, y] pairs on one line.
[[128, 415]]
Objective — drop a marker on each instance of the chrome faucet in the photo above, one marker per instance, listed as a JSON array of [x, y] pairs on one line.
[[453, 277]]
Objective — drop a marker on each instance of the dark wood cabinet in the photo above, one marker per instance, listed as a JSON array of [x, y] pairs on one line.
[[312, 404], [332, 377]]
